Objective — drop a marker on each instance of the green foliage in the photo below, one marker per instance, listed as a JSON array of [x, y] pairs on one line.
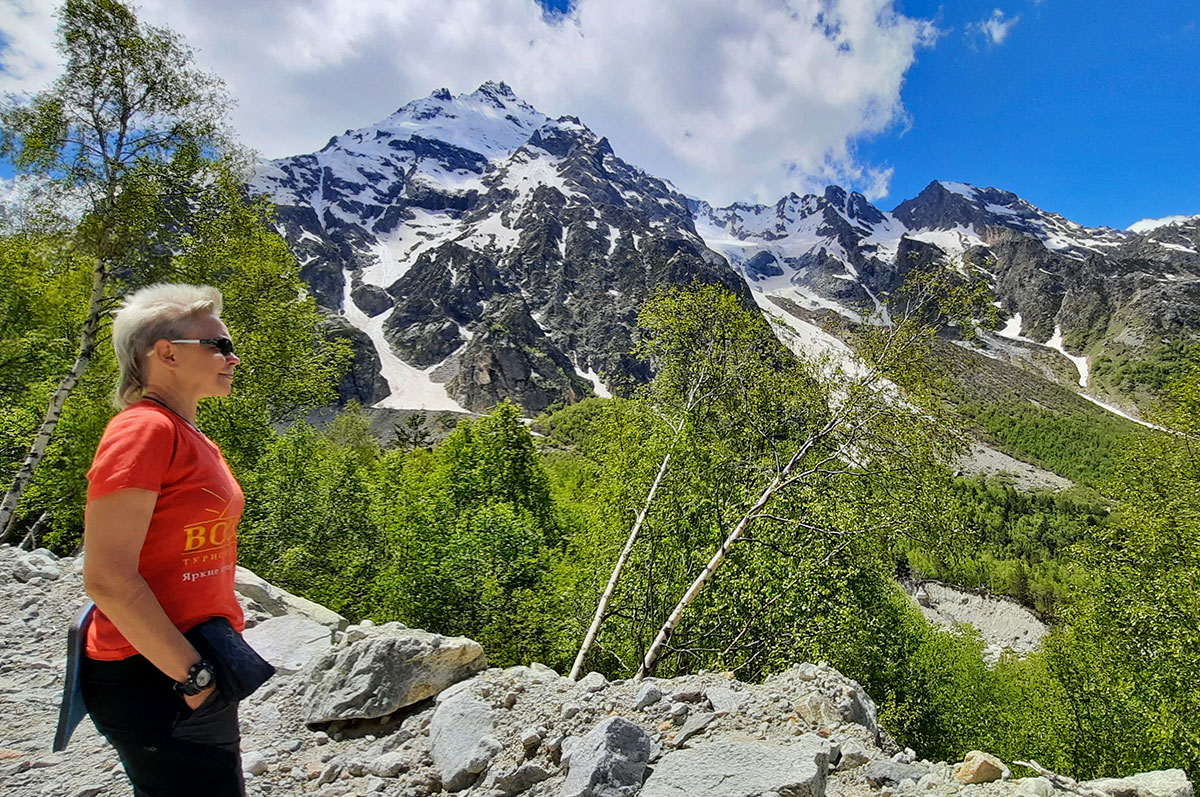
[[1011, 543], [1129, 653], [306, 501], [470, 533]]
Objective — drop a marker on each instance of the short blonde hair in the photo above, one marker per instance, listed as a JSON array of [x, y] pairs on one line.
[[148, 315]]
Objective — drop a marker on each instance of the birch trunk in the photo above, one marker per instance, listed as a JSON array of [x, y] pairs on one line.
[[664, 633], [594, 629], [87, 348]]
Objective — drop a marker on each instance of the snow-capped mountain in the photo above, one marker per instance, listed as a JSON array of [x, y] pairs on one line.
[[473, 249]]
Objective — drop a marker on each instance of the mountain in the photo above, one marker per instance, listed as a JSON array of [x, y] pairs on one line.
[[473, 249], [485, 250]]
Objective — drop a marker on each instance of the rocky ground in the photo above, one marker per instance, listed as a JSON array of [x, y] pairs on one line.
[[987, 461], [394, 711], [1003, 623]]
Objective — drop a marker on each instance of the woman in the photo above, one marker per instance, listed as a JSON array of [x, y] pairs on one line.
[[160, 538]]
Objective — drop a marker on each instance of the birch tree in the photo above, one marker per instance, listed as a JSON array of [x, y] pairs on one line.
[[699, 341], [127, 132], [817, 422]]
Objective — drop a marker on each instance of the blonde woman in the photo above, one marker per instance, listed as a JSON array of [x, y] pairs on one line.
[[160, 542]]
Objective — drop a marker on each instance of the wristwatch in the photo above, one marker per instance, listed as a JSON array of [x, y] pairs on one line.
[[199, 678]]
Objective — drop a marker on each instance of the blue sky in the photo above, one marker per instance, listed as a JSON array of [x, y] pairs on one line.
[[1089, 109], [1086, 109]]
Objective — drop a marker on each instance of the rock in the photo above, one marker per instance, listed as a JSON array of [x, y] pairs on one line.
[[592, 682], [687, 695], [854, 754], [461, 737], [280, 602], [254, 763], [881, 772], [1034, 787], [823, 696], [981, 767], [36, 564], [742, 769], [290, 641], [648, 695], [521, 778], [609, 761], [724, 700], [1160, 783], [385, 671], [695, 724], [389, 765]]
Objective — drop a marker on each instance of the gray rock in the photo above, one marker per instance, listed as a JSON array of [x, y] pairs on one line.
[[1033, 787], [1160, 783], [389, 765], [385, 671], [854, 754], [280, 602], [460, 734], [695, 724], [520, 779], [35, 565], [254, 763], [742, 769], [289, 641], [724, 700], [609, 761], [648, 695], [881, 772], [592, 682]]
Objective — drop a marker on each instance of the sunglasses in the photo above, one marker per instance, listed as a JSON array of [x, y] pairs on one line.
[[224, 345]]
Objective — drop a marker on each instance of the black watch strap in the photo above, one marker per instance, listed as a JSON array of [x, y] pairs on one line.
[[200, 677]]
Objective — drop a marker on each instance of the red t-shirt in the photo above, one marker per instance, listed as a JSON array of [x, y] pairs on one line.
[[190, 552]]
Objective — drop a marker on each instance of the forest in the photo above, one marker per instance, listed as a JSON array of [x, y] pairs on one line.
[[745, 510]]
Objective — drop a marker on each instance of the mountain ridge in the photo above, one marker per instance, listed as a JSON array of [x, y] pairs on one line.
[[486, 251]]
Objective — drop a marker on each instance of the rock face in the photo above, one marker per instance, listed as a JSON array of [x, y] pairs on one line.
[[609, 761], [515, 731], [385, 669], [461, 735], [742, 769]]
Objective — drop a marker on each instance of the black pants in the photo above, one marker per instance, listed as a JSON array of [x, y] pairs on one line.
[[167, 748]]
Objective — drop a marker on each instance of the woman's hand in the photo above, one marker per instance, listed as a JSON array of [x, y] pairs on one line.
[[197, 700]]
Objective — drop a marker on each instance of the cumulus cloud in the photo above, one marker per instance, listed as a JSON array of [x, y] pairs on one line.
[[996, 27], [28, 59], [728, 100]]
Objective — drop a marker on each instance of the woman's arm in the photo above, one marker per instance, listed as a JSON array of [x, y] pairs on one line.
[[114, 530]]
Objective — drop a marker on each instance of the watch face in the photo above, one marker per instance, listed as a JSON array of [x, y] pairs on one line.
[[204, 677]]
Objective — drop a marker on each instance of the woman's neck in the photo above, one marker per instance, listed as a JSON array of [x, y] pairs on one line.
[[176, 403]]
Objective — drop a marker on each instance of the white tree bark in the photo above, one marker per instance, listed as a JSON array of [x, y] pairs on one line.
[[87, 349]]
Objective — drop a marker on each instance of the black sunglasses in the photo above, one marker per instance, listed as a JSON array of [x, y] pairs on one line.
[[224, 345]]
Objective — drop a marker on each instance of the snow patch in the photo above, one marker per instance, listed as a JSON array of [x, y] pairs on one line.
[[1081, 363], [412, 388], [594, 378], [1146, 225]]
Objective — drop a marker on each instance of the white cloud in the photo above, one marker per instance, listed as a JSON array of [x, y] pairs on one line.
[[728, 100], [28, 59], [996, 27]]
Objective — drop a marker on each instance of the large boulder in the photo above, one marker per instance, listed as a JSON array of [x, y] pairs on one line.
[[379, 670], [290, 641], [742, 769], [462, 740], [278, 603], [1160, 783], [609, 761]]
